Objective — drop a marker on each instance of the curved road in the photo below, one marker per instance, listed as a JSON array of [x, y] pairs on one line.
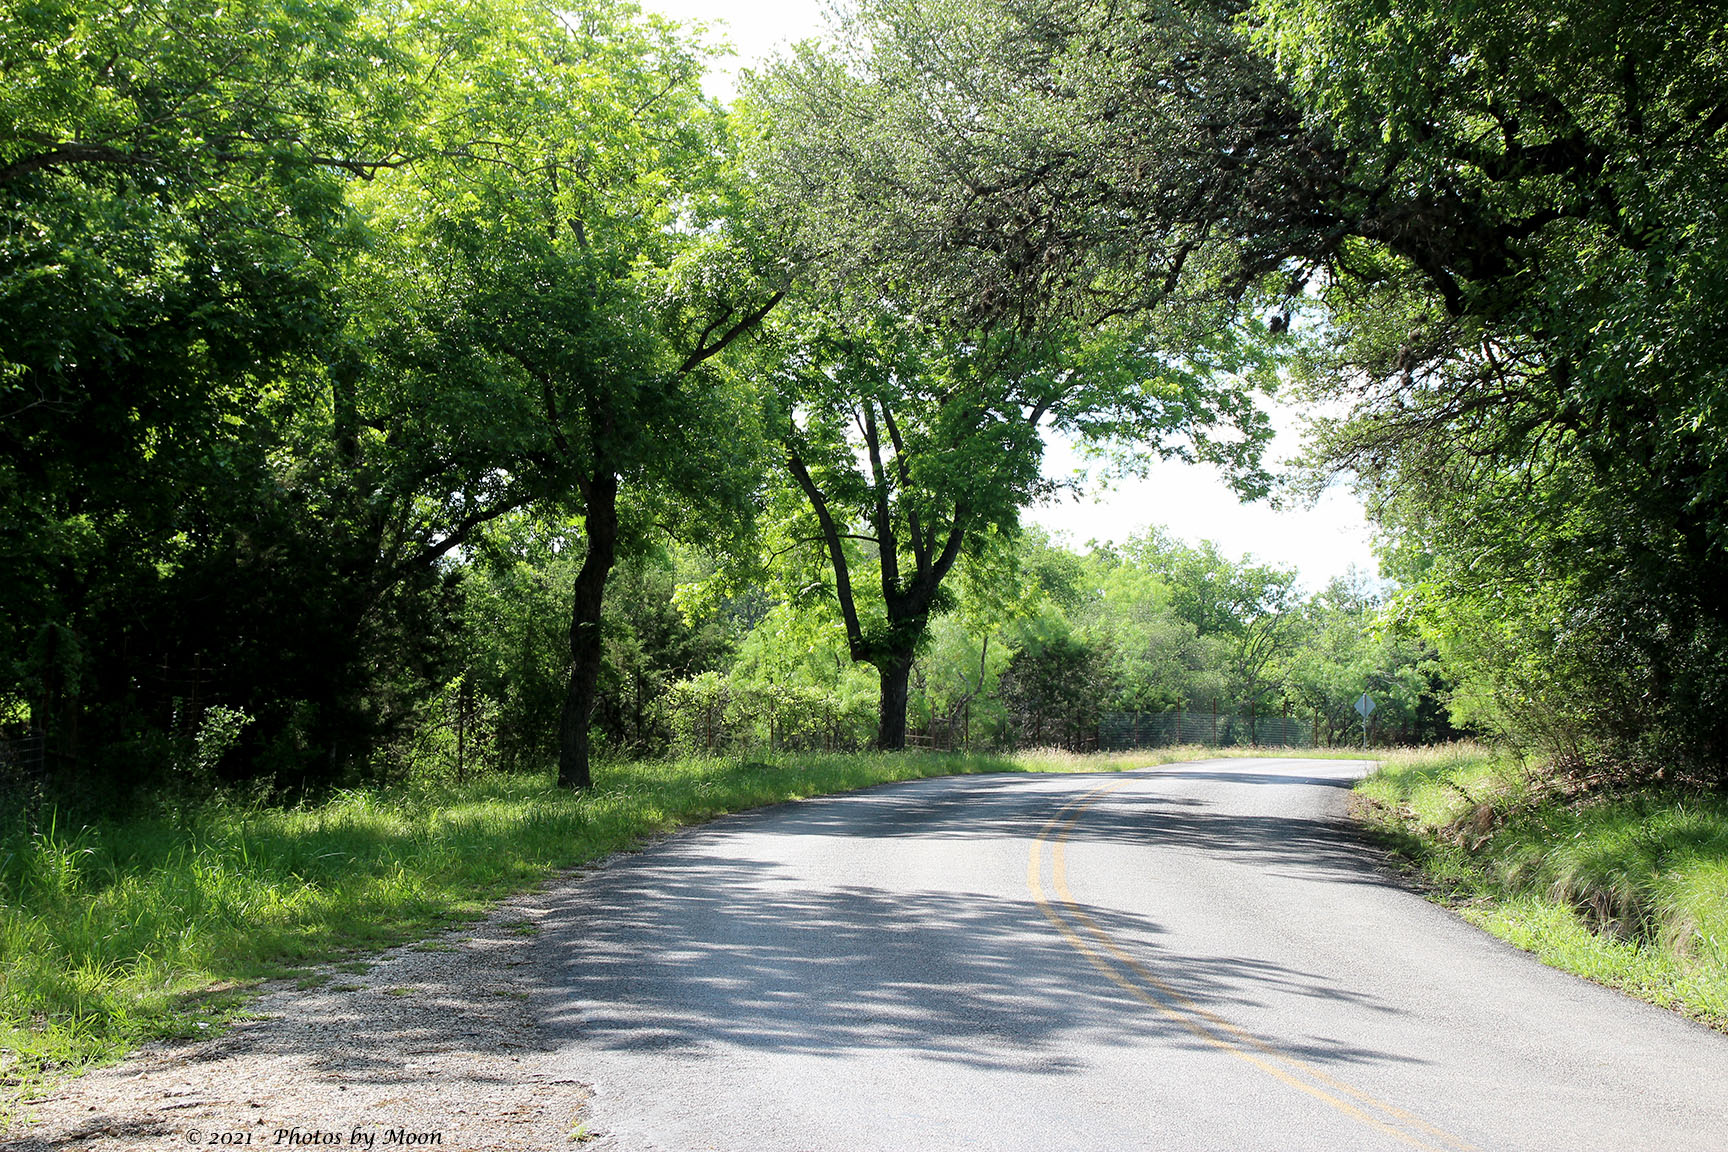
[[1198, 956]]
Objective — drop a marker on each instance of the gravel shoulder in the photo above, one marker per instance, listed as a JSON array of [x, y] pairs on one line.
[[434, 1044]]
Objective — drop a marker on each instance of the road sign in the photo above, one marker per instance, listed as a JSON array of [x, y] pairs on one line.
[[1365, 706]]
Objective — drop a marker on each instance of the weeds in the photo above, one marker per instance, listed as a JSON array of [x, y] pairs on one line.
[[1626, 888]]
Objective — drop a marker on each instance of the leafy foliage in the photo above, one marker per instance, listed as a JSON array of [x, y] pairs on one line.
[[171, 190], [971, 281], [295, 306], [1526, 324], [343, 348]]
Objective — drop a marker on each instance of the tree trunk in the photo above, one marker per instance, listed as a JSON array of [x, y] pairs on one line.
[[896, 673], [585, 648]]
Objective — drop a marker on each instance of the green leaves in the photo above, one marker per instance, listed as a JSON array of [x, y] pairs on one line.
[[171, 91], [295, 299], [1005, 164], [1527, 334]]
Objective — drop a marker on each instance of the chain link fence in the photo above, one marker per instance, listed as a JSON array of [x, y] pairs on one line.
[[23, 779], [1120, 730]]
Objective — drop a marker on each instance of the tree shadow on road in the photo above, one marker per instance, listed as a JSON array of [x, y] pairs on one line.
[[693, 952], [1319, 845]]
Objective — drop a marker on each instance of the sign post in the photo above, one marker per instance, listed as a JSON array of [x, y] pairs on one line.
[[1365, 706]]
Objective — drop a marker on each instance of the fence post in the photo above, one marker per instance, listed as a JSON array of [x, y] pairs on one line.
[[462, 695]]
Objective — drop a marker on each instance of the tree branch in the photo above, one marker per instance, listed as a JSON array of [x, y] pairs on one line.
[[890, 551], [920, 545], [704, 350], [71, 152], [457, 536]]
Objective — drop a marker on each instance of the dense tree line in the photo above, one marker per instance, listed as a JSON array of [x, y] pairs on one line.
[[296, 302], [357, 358], [1531, 346], [1038, 644]]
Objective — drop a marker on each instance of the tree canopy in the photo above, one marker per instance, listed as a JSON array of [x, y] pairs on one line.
[[1528, 336], [342, 345]]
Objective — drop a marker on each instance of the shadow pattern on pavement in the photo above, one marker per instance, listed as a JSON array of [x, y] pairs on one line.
[[689, 949]]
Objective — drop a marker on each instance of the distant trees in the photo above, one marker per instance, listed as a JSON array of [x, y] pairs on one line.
[[1054, 691], [1245, 614], [1038, 644]]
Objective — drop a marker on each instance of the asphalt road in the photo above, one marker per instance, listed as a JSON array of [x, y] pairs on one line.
[[1198, 956]]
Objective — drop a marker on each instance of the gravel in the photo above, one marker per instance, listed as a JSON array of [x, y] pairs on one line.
[[433, 1044]]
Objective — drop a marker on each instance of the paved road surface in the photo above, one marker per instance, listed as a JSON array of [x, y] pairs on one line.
[[1191, 957]]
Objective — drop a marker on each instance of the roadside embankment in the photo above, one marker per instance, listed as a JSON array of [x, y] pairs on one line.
[[1627, 888]]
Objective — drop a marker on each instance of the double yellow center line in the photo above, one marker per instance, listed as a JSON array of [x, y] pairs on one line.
[[1135, 979]]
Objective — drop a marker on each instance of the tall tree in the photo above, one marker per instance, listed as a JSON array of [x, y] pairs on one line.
[[573, 281], [1526, 322], [954, 211], [910, 451]]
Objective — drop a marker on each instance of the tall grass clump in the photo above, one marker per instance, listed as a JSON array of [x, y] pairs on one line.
[[1629, 888]]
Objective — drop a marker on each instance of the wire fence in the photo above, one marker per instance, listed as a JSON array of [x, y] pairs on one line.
[[1120, 730], [23, 779]]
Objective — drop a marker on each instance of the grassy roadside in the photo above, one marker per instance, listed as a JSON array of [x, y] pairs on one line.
[[122, 932], [1629, 890]]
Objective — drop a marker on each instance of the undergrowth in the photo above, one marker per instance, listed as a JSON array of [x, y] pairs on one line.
[[1626, 887]]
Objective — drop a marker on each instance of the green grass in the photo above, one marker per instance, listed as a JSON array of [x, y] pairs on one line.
[[122, 932], [1627, 889]]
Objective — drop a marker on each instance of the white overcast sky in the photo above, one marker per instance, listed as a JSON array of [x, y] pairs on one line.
[[1188, 500]]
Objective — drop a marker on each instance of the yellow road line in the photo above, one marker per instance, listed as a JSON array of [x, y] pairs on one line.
[[1183, 1010], [1059, 879]]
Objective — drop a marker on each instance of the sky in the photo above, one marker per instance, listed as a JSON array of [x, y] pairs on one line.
[[1190, 501], [1193, 503], [755, 28]]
